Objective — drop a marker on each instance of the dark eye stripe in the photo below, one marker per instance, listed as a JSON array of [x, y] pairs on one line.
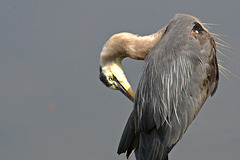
[[103, 78]]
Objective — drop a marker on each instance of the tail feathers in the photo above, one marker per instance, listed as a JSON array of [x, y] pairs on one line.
[[166, 158], [156, 149], [129, 140], [133, 145], [151, 147], [148, 147]]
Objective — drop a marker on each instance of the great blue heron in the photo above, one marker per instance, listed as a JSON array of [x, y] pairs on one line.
[[179, 74]]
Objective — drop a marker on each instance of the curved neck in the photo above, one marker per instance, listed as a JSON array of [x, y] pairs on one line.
[[125, 44]]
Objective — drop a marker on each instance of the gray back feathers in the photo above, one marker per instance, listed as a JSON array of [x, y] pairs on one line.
[[180, 72]]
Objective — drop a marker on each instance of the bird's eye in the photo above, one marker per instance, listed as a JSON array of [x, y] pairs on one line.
[[110, 78]]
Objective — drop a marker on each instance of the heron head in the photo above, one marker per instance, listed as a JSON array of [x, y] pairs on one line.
[[113, 77]]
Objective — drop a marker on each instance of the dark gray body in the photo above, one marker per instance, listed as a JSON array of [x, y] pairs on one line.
[[180, 72]]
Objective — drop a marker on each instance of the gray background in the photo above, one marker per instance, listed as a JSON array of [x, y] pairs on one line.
[[52, 105]]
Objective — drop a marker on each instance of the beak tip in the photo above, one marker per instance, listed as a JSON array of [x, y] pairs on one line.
[[127, 91]]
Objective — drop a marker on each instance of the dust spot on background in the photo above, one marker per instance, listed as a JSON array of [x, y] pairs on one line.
[[51, 106]]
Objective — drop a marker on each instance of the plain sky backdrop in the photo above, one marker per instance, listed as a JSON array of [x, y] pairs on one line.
[[52, 104]]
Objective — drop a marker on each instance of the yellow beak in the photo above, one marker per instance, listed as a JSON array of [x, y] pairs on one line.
[[121, 82], [125, 89]]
